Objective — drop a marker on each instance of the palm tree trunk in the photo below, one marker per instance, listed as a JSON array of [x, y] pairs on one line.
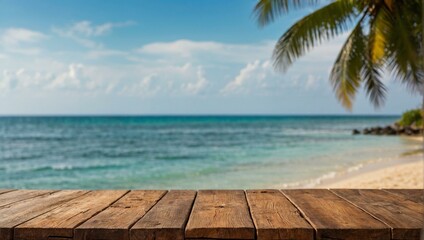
[[422, 87]]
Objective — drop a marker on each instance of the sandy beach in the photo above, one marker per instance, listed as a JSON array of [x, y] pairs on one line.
[[405, 172], [402, 172]]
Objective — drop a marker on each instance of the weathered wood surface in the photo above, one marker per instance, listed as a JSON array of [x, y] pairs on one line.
[[210, 214], [15, 214], [20, 195], [275, 217], [405, 217], [167, 219], [5, 190], [61, 221], [115, 221], [220, 214], [335, 218], [410, 194]]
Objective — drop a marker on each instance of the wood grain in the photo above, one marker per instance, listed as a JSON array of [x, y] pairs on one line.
[[20, 195], [275, 217], [415, 195], [19, 212], [334, 218], [211, 214], [61, 221], [220, 214], [405, 217], [115, 221], [167, 219], [6, 190]]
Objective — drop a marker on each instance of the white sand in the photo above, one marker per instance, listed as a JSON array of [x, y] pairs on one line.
[[406, 172], [401, 172]]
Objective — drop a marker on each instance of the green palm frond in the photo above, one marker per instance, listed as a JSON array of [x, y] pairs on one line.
[[267, 10], [374, 59], [404, 62], [321, 25], [387, 34], [380, 26], [346, 72], [374, 87]]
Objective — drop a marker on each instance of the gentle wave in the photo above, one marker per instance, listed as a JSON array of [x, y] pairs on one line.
[[186, 152], [63, 167], [311, 183]]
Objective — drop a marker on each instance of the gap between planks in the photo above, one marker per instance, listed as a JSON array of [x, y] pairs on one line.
[[250, 210]]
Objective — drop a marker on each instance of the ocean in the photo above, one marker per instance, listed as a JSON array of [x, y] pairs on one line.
[[180, 152]]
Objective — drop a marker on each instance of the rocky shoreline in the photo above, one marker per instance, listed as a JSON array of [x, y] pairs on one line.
[[390, 130]]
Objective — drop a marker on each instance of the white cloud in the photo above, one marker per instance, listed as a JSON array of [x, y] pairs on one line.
[[23, 79], [252, 77], [167, 69], [312, 81], [260, 78], [21, 41], [100, 53], [198, 84], [209, 49], [134, 80], [180, 47], [87, 29], [69, 79], [16, 36], [186, 79], [82, 32], [26, 51]]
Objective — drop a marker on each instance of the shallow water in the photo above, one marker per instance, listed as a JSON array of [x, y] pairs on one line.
[[185, 152]]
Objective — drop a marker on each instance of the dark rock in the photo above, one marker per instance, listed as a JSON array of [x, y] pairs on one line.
[[366, 131], [379, 131], [400, 130], [389, 130], [409, 131], [394, 129], [392, 133]]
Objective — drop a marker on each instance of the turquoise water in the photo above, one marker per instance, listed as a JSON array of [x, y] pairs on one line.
[[185, 152]]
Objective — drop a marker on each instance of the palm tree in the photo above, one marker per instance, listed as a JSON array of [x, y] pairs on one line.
[[385, 35]]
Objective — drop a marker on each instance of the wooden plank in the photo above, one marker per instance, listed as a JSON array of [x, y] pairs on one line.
[[415, 195], [220, 214], [17, 213], [275, 217], [61, 221], [167, 219], [334, 218], [6, 190], [115, 221], [403, 216], [20, 195]]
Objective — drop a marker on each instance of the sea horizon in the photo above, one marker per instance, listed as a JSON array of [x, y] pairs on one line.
[[183, 152], [204, 114]]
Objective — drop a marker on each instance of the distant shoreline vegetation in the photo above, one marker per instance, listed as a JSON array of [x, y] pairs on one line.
[[197, 115], [410, 124]]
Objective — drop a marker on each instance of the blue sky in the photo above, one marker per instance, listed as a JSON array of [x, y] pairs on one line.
[[161, 57]]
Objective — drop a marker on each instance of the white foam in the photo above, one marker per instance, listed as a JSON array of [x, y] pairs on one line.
[[61, 167]]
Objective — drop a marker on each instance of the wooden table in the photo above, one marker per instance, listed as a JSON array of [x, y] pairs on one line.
[[211, 214]]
